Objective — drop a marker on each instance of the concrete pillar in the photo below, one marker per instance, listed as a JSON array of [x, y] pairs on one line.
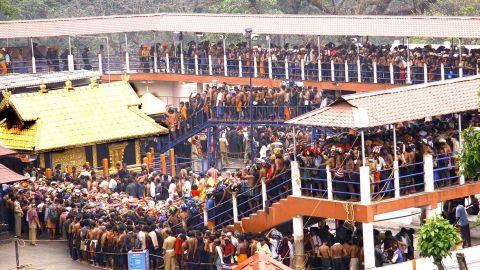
[[368, 245], [347, 78], [264, 195], [365, 196], [240, 71], [460, 72], [428, 211], [319, 70], [172, 162], [296, 182], [396, 179], [460, 140], [196, 64], [235, 207], [100, 68], [182, 63], [34, 66], [105, 167], [442, 71], [359, 71], [210, 68], [425, 73], [286, 69], [127, 62], [71, 65], [329, 183], [255, 69], [428, 173], [163, 163], [302, 69], [155, 61], [392, 77], [299, 259], [225, 66], [167, 63], [270, 71], [205, 217], [332, 70], [409, 73], [375, 79]]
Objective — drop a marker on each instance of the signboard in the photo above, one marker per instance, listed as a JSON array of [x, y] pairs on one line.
[[138, 260]]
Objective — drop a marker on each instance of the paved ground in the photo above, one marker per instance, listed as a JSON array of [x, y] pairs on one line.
[[45, 256]]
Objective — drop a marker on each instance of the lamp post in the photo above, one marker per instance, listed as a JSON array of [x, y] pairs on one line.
[[248, 35]]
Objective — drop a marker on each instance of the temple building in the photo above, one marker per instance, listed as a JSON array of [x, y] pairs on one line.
[[72, 126]]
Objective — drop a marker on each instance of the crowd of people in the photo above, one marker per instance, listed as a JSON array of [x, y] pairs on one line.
[[349, 52]]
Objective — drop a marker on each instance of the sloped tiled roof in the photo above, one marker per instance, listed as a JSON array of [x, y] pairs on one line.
[[12, 81], [396, 105], [6, 152], [261, 261], [152, 105], [9, 176], [323, 25], [86, 115]]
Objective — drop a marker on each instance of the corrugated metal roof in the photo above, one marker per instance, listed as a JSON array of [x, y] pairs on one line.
[[399, 26], [397, 105], [9, 176], [87, 115]]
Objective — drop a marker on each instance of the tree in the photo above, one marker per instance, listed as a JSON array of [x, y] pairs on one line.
[[469, 156], [436, 238], [7, 9]]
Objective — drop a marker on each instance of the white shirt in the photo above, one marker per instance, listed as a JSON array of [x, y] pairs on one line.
[[141, 238], [380, 163], [112, 184], [187, 188], [219, 98], [152, 189], [172, 190], [273, 247]]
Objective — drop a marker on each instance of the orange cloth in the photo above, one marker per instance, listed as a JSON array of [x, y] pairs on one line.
[[242, 257], [4, 68]]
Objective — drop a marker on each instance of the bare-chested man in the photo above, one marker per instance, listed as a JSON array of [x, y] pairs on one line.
[[325, 254], [338, 253], [190, 248]]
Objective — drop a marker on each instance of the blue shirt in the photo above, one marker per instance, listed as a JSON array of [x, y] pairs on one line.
[[461, 215]]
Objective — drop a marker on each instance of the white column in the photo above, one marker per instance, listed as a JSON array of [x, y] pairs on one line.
[[425, 73], [375, 72], [359, 71], [319, 70], [196, 64], [396, 175], [225, 66], [286, 69], [460, 141], [155, 61], [460, 72], [264, 195], [296, 182], [235, 207], [299, 257], [368, 245], [205, 216], [100, 68], [428, 173], [255, 71], [477, 70], [210, 68], [71, 66], [347, 78], [332, 70], [240, 71], [392, 78], [167, 63], [270, 73], [409, 75], [329, 183], [127, 62], [365, 196], [302, 69], [34, 66], [442, 71], [182, 64]]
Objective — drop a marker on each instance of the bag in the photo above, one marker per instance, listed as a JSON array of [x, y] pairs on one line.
[[53, 214]]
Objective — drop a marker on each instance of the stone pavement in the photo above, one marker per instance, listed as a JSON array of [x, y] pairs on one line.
[[44, 256]]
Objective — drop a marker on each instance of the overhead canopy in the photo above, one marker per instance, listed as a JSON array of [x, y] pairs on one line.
[[6, 152], [261, 261], [151, 105], [9, 176], [398, 105], [11, 81], [393, 26]]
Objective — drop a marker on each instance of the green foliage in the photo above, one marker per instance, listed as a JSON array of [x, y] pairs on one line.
[[469, 156], [7, 9], [436, 238]]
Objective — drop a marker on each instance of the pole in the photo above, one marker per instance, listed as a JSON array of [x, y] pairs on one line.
[[252, 144], [34, 66], [108, 59], [17, 255], [409, 78], [294, 144], [460, 141], [396, 176], [363, 147]]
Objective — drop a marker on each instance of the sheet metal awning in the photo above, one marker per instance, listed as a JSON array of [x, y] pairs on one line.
[[393, 26], [398, 105], [12, 81]]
